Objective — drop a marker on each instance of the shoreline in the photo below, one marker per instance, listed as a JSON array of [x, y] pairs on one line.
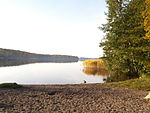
[[73, 98]]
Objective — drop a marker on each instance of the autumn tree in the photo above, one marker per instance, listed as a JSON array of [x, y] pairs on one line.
[[146, 15]]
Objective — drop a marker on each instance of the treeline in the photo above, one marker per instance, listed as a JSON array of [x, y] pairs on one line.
[[126, 43], [15, 56]]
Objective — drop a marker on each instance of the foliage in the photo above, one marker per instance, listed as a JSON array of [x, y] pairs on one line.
[[140, 84], [10, 85], [126, 51], [146, 15]]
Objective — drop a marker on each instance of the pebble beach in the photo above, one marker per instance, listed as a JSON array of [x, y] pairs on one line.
[[77, 98]]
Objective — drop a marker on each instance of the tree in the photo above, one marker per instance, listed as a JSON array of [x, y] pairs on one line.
[[124, 47]]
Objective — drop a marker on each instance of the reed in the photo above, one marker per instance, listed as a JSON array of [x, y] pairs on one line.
[[95, 67], [94, 63]]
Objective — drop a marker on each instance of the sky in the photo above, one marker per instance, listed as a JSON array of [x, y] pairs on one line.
[[67, 27]]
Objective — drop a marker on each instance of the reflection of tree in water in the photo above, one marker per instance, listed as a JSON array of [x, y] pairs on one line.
[[95, 71], [97, 67], [119, 77], [116, 78], [13, 63]]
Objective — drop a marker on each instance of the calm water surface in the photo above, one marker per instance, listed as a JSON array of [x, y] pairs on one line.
[[48, 73]]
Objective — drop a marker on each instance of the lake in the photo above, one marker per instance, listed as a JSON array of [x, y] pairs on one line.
[[49, 73]]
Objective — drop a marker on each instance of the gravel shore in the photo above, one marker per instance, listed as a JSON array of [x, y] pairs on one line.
[[81, 98]]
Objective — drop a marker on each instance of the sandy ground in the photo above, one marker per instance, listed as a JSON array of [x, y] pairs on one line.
[[81, 98]]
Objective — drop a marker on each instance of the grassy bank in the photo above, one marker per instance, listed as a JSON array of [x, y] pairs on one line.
[[10, 85], [140, 84]]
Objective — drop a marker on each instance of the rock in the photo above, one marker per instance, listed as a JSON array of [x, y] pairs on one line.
[[148, 96], [53, 92], [5, 105]]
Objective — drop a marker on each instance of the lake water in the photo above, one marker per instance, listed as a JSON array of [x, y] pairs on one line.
[[48, 73]]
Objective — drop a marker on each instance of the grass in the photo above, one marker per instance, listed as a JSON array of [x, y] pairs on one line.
[[139, 84], [10, 85]]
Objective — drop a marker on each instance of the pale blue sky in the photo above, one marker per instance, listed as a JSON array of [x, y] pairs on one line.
[[52, 26]]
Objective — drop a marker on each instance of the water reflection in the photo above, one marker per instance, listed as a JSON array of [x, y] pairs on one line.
[[95, 71], [97, 68], [18, 63], [45, 73], [55, 73], [13, 63], [120, 77], [116, 78]]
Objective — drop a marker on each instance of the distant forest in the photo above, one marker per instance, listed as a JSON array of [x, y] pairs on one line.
[[15, 56]]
